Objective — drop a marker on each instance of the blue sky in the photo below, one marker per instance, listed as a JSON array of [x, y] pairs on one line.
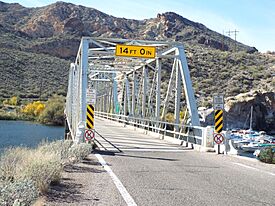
[[254, 19]]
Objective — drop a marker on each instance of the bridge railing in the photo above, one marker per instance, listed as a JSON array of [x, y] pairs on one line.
[[187, 133]]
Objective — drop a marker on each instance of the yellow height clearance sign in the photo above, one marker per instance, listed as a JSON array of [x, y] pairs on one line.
[[135, 51]]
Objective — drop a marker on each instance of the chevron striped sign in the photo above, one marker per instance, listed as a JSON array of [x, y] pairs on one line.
[[90, 116], [218, 120]]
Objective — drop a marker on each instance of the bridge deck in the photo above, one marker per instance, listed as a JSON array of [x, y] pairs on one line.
[[113, 137]]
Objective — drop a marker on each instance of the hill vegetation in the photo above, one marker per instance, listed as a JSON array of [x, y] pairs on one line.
[[37, 45]]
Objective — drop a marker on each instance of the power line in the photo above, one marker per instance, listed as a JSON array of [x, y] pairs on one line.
[[235, 34]]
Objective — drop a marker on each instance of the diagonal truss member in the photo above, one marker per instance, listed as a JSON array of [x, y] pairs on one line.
[[129, 86]]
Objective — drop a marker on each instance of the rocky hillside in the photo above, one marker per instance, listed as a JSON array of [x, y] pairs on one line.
[[61, 25], [37, 45]]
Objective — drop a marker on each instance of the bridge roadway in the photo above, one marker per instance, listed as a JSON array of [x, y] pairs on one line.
[[155, 172], [148, 171]]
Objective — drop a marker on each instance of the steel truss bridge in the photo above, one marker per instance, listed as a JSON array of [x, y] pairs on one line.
[[134, 91]]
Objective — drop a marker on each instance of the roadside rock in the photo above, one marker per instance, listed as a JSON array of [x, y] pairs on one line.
[[238, 112]]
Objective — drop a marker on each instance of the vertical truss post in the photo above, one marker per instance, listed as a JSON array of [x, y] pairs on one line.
[[157, 114], [189, 92], [105, 102], [153, 89], [97, 97], [76, 101], [116, 106], [177, 99], [110, 105], [84, 69], [134, 94], [124, 98], [102, 103], [139, 100], [144, 91], [106, 99], [70, 101], [127, 90], [83, 90]]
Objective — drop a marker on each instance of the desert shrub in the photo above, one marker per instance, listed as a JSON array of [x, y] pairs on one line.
[[9, 161], [11, 101], [33, 108], [80, 151], [42, 168], [22, 193], [14, 101], [54, 111], [60, 148], [267, 155], [8, 115]]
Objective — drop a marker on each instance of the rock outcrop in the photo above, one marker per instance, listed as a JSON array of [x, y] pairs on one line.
[[238, 112], [263, 111]]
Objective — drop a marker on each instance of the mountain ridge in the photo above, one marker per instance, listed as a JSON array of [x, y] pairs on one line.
[[55, 31], [63, 18]]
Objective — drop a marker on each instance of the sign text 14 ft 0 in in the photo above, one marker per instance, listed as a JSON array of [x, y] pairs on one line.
[[135, 51]]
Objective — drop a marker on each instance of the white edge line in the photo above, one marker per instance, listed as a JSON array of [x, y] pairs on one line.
[[246, 166], [124, 193], [253, 168], [155, 150]]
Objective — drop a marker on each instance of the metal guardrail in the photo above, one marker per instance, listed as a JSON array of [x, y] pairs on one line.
[[190, 134]]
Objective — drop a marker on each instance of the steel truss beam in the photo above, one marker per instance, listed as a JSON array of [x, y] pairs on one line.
[[130, 86]]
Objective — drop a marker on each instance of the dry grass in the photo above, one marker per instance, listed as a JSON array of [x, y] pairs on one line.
[[36, 168], [10, 160], [41, 167]]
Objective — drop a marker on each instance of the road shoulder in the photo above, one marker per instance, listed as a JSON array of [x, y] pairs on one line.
[[85, 183]]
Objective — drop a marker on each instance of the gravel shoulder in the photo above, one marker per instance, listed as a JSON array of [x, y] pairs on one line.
[[85, 183]]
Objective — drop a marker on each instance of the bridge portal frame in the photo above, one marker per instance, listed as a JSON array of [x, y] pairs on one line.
[[96, 65]]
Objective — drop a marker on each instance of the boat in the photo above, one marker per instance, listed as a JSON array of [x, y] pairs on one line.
[[251, 147], [250, 140]]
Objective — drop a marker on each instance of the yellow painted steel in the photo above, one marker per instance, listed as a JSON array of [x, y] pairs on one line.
[[218, 121], [91, 109], [135, 51], [218, 114], [90, 117]]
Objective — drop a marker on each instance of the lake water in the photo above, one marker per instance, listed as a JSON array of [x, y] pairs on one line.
[[22, 133]]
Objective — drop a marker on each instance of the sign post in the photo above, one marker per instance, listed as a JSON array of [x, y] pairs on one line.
[[218, 105], [90, 115]]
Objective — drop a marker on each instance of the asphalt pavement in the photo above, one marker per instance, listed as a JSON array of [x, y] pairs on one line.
[[143, 170]]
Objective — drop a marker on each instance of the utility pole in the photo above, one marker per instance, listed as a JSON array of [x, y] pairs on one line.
[[222, 40], [235, 34]]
